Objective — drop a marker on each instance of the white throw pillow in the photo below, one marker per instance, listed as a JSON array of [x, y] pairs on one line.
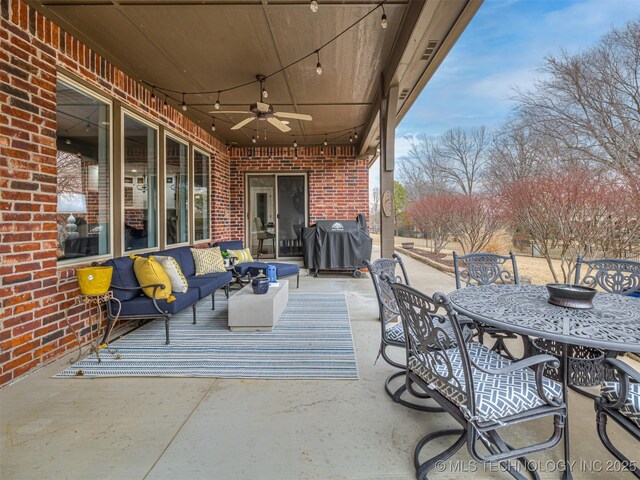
[[174, 272]]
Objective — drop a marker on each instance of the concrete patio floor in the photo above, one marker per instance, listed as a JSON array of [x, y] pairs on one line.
[[194, 428]]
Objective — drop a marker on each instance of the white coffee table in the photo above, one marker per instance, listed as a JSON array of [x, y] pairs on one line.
[[251, 312]]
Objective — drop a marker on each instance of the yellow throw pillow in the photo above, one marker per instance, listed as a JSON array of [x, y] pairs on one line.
[[243, 255], [149, 272], [208, 260]]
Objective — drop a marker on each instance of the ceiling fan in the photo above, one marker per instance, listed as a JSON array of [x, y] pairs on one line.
[[264, 112]]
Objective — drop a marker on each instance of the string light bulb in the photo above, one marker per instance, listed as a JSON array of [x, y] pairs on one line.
[[318, 65], [325, 142], [383, 20], [184, 105], [265, 94], [355, 135], [153, 94], [217, 104], [295, 143], [213, 124], [350, 139], [253, 140], [313, 6]]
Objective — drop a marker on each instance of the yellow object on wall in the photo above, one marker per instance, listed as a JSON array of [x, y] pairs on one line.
[[94, 280]]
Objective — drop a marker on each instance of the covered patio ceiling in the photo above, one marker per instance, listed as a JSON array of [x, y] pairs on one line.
[[208, 46]]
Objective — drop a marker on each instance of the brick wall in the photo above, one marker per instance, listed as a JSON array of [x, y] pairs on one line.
[[337, 181], [34, 290]]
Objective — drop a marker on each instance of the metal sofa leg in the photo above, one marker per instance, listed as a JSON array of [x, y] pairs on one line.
[[193, 307], [298, 284], [166, 329], [226, 290], [213, 300]]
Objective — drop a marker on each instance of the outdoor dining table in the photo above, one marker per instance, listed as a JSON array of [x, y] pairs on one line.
[[612, 324]]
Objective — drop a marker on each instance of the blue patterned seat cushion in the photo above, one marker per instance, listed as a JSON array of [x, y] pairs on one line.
[[631, 408], [496, 396]]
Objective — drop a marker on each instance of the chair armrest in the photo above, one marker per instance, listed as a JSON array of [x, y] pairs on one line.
[[539, 361], [520, 364], [624, 369], [626, 374]]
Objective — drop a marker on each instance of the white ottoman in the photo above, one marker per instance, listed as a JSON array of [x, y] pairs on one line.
[[251, 312]]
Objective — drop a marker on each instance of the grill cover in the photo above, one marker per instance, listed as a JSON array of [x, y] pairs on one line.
[[337, 244]]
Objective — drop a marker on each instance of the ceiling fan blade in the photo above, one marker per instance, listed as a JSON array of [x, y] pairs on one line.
[[231, 111], [278, 124], [263, 107], [295, 116], [241, 124]]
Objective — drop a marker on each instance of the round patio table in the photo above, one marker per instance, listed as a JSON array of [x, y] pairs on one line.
[[612, 324]]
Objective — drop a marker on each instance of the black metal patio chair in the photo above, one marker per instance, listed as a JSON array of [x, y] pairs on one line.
[[620, 401], [382, 272], [613, 275], [482, 390], [486, 269]]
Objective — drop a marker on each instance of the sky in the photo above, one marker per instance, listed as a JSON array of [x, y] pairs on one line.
[[501, 50]]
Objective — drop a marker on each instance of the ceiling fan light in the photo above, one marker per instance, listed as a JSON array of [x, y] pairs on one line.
[[265, 94], [313, 6], [319, 69], [383, 21]]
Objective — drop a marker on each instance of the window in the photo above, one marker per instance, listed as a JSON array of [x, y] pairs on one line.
[[84, 169], [177, 191], [140, 185], [201, 196]]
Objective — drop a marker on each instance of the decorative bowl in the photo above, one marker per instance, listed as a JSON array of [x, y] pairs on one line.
[[571, 296], [260, 285]]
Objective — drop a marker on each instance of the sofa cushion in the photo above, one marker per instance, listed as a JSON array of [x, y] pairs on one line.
[[208, 260], [123, 276], [242, 255], [207, 284], [149, 272], [243, 268], [184, 257], [143, 306], [229, 245], [172, 267]]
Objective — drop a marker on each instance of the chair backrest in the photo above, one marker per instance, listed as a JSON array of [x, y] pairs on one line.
[[257, 221], [612, 275], [229, 245], [485, 269], [383, 271], [430, 347]]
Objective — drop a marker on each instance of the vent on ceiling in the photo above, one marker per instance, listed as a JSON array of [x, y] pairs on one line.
[[403, 93], [431, 46]]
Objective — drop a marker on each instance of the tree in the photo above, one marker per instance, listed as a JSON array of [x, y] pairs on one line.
[[474, 221], [460, 157], [431, 213], [375, 209], [399, 203], [418, 169], [589, 103], [570, 212]]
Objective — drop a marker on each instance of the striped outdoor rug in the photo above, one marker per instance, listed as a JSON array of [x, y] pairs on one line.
[[311, 340]]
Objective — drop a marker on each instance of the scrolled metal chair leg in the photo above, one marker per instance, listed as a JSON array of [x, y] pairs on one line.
[[601, 420], [422, 468]]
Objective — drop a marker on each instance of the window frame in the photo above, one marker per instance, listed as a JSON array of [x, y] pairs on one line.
[[125, 111], [190, 210], [192, 184], [93, 93]]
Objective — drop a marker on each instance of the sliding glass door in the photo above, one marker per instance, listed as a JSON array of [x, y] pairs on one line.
[[276, 214]]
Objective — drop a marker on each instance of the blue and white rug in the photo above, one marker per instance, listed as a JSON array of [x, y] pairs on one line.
[[312, 340]]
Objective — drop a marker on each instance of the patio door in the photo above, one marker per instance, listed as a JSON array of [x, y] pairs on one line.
[[276, 214]]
